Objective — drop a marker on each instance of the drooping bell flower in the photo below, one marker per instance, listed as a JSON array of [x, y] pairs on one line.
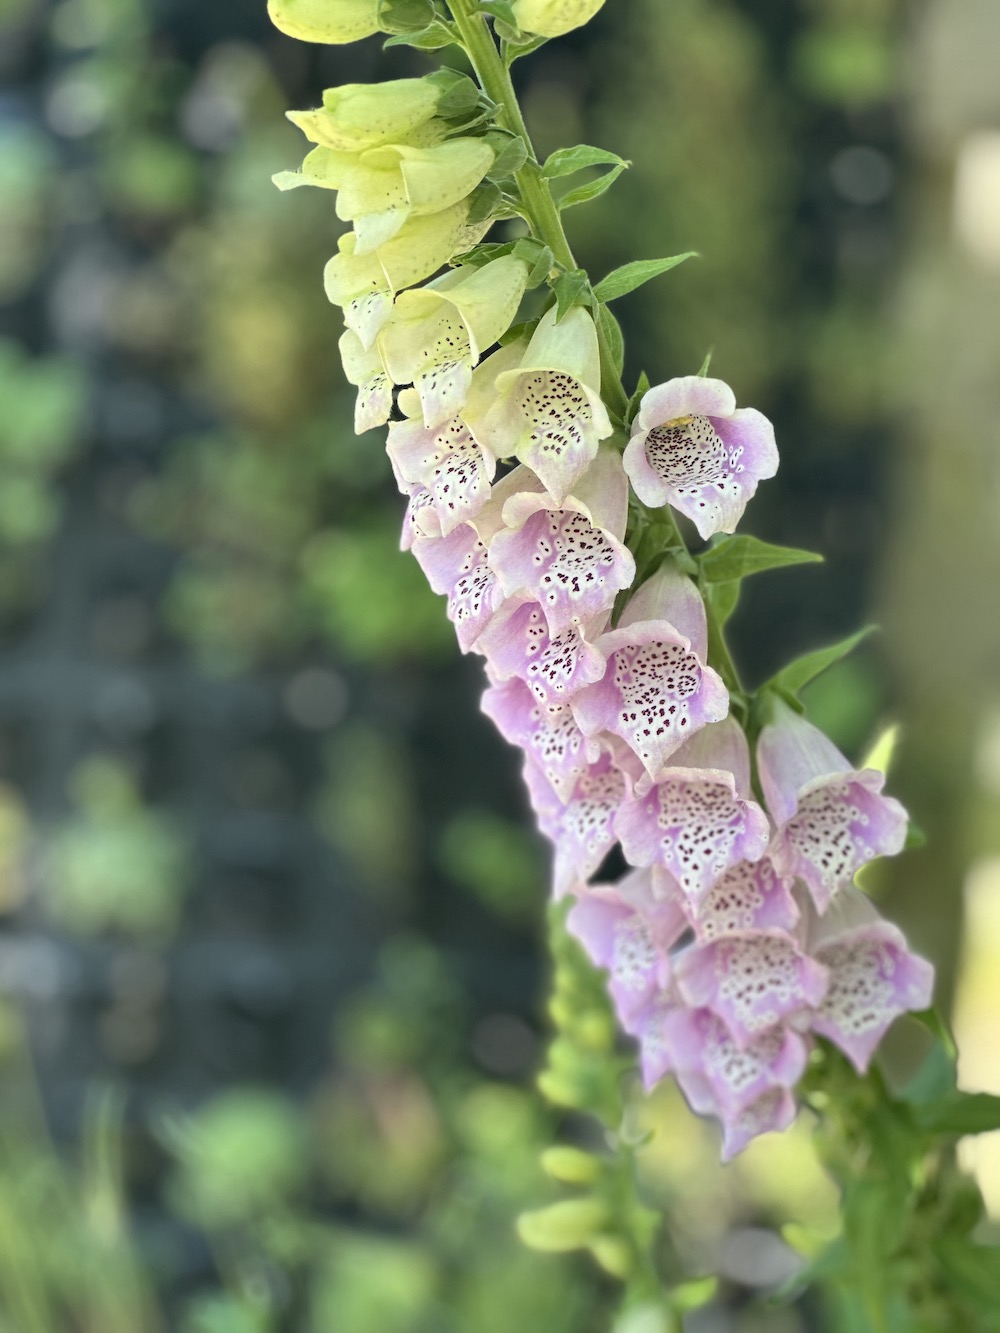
[[874, 977], [364, 369], [548, 734], [381, 188], [721, 1078], [329, 21], [657, 690], [455, 565], [751, 981], [453, 468], [546, 410], [772, 1113], [357, 116], [568, 555], [693, 449], [420, 518], [582, 828], [625, 929], [551, 18], [831, 818], [437, 333], [700, 819], [750, 895], [518, 642], [365, 284]]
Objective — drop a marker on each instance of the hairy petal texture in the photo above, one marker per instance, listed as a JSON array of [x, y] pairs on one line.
[[692, 449], [456, 566], [546, 410], [517, 642], [569, 556], [751, 981], [625, 930], [549, 735], [831, 818], [448, 463]]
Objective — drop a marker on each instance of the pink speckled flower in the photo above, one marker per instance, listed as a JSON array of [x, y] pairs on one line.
[[693, 449], [548, 734], [699, 820], [750, 895], [874, 977], [657, 690], [568, 555], [447, 462], [456, 566], [626, 930], [831, 818], [518, 642]]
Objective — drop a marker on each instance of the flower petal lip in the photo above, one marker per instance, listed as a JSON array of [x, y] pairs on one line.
[[688, 395]]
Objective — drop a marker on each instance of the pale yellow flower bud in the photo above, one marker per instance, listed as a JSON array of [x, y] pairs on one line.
[[365, 115], [572, 1166], [568, 1225], [330, 21], [551, 18]]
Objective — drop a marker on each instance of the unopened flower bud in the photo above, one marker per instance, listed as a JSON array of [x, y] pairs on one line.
[[551, 18], [572, 1166], [569, 1225], [365, 115], [329, 21], [613, 1255]]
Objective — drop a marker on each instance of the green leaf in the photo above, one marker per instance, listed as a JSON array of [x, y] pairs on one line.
[[737, 557], [973, 1270], [706, 363], [537, 256], [481, 255], [961, 1113], [723, 599], [571, 289], [500, 9], [799, 673], [584, 193], [612, 331], [631, 276], [641, 389], [566, 161], [511, 154], [935, 1079]]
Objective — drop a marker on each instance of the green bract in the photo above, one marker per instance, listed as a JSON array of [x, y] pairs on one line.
[[365, 115], [551, 18], [329, 21]]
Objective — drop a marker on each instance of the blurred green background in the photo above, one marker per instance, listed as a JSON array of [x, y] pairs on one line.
[[272, 970]]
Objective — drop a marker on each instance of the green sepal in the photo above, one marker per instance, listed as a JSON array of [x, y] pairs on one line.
[[641, 389], [614, 339], [935, 1080], [523, 330], [737, 557], [486, 201], [722, 598], [571, 288], [511, 154], [405, 16], [706, 363], [567, 161], [459, 96], [792, 678], [584, 193], [632, 276], [513, 47], [915, 837], [432, 38], [537, 256]]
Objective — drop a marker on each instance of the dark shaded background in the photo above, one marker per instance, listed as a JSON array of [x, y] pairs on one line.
[[263, 866]]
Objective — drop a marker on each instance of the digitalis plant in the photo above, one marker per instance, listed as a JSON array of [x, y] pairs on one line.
[[542, 500]]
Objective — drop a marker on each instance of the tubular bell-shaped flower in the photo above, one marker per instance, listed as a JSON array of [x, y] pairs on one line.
[[657, 691], [518, 642], [625, 929], [548, 733], [700, 819], [445, 461], [831, 818], [551, 18], [874, 977], [365, 284], [380, 188], [332, 22], [692, 449], [364, 369], [357, 116], [455, 565], [436, 333], [546, 409], [750, 895], [569, 554]]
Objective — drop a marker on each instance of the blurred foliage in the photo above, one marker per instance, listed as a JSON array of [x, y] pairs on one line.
[[382, 1198]]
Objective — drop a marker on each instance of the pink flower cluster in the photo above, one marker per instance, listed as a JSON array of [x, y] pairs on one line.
[[739, 932]]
